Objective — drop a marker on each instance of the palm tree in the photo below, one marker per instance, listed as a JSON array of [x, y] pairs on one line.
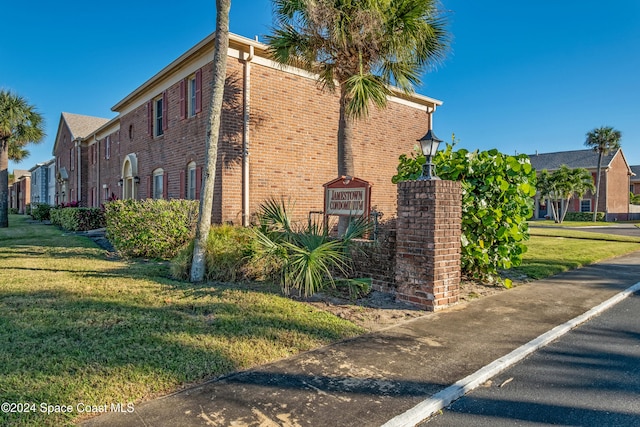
[[20, 124], [364, 47], [546, 187], [561, 186], [221, 47], [603, 140], [570, 183]]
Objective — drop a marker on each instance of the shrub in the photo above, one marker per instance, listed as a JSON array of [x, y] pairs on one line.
[[583, 216], [13, 211], [497, 192], [151, 228], [307, 258], [27, 209], [229, 256], [40, 211], [78, 219]]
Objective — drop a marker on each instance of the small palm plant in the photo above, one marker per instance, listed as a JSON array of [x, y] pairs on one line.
[[308, 258]]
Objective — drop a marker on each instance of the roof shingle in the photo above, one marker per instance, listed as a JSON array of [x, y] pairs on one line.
[[587, 159], [82, 126]]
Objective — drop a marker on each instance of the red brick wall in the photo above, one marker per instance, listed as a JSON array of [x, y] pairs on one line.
[[293, 135], [294, 144], [428, 243], [63, 160], [617, 190]]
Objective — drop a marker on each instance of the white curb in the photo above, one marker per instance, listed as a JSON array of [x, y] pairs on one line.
[[444, 398]]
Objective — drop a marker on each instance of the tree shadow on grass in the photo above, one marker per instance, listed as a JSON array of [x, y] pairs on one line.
[[78, 342]]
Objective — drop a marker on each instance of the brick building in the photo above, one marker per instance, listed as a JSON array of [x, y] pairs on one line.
[[70, 151], [614, 182], [20, 190], [278, 138]]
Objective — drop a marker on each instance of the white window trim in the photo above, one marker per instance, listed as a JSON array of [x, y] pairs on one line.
[[191, 181], [191, 96], [158, 193]]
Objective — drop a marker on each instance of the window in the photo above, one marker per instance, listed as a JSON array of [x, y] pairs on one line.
[[158, 118], [72, 158], [158, 184], [191, 181], [191, 95], [107, 148], [585, 205]]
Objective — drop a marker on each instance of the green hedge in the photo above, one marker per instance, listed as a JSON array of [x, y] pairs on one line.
[[583, 216], [78, 219], [40, 211], [151, 228]]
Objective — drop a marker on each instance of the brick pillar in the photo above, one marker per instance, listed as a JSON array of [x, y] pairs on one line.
[[428, 243]]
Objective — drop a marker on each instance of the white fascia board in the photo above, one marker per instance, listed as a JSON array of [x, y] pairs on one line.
[[202, 54]]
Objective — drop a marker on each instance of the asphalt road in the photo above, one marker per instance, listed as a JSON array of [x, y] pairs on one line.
[[588, 377], [619, 229]]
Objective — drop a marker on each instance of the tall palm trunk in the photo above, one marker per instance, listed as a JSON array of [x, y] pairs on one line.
[[4, 184], [221, 47], [595, 208], [346, 134]]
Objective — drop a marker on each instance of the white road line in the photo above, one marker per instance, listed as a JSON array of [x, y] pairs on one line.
[[444, 398]]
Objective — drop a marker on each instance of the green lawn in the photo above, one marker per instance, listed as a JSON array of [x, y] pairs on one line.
[[551, 250], [78, 327]]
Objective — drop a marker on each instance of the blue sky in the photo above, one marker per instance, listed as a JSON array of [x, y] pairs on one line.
[[521, 76]]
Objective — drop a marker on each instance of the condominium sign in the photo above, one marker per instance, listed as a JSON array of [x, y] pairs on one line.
[[347, 196]]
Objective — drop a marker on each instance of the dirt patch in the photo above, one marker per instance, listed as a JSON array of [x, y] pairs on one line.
[[378, 310]]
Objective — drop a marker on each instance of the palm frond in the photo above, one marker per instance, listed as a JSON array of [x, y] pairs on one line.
[[363, 89], [274, 216], [17, 153], [357, 228], [604, 140], [20, 123]]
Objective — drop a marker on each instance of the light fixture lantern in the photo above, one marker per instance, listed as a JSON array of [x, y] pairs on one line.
[[136, 180], [120, 182], [429, 146]]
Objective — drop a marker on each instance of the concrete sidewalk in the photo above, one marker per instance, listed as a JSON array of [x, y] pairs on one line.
[[369, 380]]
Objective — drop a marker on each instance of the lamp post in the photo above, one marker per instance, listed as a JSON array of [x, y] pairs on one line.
[[429, 146]]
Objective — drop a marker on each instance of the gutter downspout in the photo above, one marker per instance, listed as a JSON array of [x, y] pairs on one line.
[[430, 111], [245, 138], [98, 190]]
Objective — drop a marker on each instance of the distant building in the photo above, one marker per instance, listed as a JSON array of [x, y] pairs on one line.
[[43, 182], [70, 152], [614, 182], [634, 185], [20, 190]]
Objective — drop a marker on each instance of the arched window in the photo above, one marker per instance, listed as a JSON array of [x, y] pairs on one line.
[[129, 175]]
